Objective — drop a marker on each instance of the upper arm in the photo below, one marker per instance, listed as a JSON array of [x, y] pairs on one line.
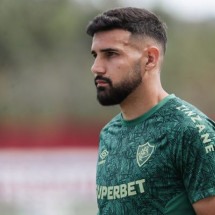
[[205, 206]]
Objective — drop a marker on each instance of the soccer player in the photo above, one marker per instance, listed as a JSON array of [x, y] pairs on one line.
[[158, 155]]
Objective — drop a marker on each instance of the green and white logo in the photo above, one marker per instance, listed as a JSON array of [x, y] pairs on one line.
[[144, 152], [103, 155]]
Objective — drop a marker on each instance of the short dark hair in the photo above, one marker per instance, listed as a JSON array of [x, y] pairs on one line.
[[135, 20]]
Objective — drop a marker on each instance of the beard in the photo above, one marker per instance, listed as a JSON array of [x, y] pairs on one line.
[[115, 94]]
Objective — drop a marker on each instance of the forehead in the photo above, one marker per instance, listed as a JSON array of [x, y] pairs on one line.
[[112, 38]]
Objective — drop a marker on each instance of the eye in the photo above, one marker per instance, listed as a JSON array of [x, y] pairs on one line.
[[94, 54], [111, 54]]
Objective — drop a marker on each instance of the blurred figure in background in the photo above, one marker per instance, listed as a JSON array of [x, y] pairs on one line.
[[156, 156]]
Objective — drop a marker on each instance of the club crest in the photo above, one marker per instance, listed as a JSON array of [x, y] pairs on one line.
[[144, 152]]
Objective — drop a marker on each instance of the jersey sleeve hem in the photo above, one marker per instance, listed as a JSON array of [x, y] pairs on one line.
[[203, 195]]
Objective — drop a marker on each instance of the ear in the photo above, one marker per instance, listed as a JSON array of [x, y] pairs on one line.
[[152, 54]]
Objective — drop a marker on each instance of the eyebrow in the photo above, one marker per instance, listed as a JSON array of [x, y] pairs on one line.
[[105, 50]]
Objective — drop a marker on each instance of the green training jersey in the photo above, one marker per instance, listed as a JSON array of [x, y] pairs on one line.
[[159, 163]]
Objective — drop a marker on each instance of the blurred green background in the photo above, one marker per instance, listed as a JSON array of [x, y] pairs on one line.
[[45, 61], [48, 97]]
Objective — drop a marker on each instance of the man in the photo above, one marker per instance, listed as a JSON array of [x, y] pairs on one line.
[[158, 155]]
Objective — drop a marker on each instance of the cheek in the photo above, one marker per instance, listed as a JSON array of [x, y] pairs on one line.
[[118, 70], [121, 75], [119, 67], [123, 67]]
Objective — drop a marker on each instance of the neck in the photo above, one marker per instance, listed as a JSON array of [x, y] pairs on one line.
[[136, 104]]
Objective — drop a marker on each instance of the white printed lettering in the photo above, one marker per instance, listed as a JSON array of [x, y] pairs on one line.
[[182, 106], [123, 190], [140, 183], [206, 138], [104, 192], [116, 194], [209, 148], [110, 192], [190, 113], [198, 118], [98, 189], [120, 191], [131, 189], [200, 127]]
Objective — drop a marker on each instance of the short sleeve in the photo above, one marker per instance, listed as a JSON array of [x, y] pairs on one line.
[[196, 161]]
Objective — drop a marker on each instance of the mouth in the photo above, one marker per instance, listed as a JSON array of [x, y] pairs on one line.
[[102, 81]]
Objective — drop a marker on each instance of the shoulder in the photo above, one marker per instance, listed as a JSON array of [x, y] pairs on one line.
[[191, 125], [187, 115], [192, 117]]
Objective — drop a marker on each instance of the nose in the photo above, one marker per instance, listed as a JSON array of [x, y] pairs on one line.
[[98, 67]]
